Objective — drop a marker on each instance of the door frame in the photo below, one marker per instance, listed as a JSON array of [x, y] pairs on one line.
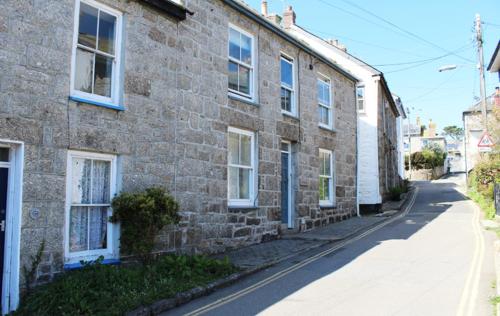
[[290, 195], [10, 274]]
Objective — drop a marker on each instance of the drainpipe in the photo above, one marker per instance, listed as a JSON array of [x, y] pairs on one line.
[[357, 157]]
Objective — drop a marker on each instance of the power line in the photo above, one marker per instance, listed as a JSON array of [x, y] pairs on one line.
[[433, 89], [399, 28], [428, 60], [366, 43]]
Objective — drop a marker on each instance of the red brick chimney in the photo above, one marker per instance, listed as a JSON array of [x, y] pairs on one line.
[[289, 17]]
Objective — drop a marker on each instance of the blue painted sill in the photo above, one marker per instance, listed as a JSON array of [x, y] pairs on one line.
[[78, 265], [103, 104]]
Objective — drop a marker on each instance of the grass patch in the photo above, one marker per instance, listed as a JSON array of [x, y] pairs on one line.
[[484, 203], [113, 290]]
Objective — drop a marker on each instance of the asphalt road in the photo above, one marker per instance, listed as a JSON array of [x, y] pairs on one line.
[[434, 261]]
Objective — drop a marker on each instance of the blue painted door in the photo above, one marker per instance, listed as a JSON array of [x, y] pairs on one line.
[[4, 176], [285, 187]]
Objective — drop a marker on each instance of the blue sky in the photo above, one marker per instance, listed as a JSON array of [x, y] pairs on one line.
[[440, 96]]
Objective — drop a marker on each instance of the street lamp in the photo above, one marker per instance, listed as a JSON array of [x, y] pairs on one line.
[[447, 67]]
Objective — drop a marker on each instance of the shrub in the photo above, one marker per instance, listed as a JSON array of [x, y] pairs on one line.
[[482, 180], [99, 289], [142, 215], [395, 193]]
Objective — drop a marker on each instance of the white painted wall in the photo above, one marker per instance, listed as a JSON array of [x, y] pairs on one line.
[[401, 149], [368, 169]]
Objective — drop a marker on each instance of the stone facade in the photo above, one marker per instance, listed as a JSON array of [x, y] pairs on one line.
[[173, 131], [387, 140]]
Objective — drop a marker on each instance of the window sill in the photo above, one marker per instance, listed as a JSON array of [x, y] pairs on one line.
[[242, 209], [328, 207], [290, 115], [242, 100], [78, 265], [326, 128], [97, 103]]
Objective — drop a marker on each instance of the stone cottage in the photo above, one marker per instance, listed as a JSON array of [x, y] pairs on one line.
[[250, 129], [378, 139]]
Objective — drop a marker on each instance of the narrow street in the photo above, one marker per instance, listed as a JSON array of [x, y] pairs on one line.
[[436, 260]]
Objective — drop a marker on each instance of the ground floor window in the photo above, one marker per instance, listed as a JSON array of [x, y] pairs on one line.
[[241, 167], [90, 188], [326, 179]]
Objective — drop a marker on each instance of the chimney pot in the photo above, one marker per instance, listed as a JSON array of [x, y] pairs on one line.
[[263, 8], [289, 17]]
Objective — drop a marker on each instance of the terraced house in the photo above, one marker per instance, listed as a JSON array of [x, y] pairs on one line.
[[379, 137], [250, 129]]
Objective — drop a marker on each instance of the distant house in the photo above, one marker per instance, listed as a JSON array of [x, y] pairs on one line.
[[378, 138], [474, 128]]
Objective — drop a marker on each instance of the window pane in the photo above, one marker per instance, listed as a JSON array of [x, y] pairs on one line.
[[233, 76], [286, 73], [324, 189], [244, 184], [286, 100], [84, 70], [285, 146], [80, 180], [327, 165], [246, 49], [4, 154], [233, 148], [78, 228], [326, 94], [103, 72], [101, 172], [234, 44], [246, 150], [87, 28], [244, 82], [98, 223], [107, 24], [324, 117], [232, 179]]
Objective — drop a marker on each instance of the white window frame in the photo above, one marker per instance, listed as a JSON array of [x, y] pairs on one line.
[[116, 80], [363, 99], [112, 233], [330, 202], [290, 60], [325, 79], [252, 80], [253, 174], [288, 151]]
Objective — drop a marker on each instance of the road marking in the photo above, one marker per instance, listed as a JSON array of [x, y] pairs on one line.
[[470, 291], [282, 273]]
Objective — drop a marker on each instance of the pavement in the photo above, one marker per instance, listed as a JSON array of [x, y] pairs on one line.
[[274, 251], [434, 261]]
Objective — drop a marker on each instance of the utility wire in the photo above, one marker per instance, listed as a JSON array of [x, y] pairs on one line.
[[433, 89], [467, 46], [408, 33]]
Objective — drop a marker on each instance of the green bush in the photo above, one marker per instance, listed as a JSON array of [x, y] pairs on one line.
[[395, 193], [429, 158], [113, 290], [141, 216], [482, 180]]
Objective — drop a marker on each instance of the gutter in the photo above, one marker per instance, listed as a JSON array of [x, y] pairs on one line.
[[283, 34], [388, 92]]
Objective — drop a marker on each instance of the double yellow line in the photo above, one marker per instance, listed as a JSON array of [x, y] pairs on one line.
[[469, 294], [282, 273]]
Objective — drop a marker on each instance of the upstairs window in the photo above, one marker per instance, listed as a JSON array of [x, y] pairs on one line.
[[287, 86], [96, 52], [240, 64], [325, 103], [360, 98]]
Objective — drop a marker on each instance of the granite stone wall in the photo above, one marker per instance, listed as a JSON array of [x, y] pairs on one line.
[[173, 131]]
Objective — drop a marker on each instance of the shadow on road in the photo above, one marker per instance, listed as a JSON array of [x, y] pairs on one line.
[[434, 199]]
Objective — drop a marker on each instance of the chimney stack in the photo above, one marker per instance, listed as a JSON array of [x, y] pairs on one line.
[[289, 17], [263, 8]]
